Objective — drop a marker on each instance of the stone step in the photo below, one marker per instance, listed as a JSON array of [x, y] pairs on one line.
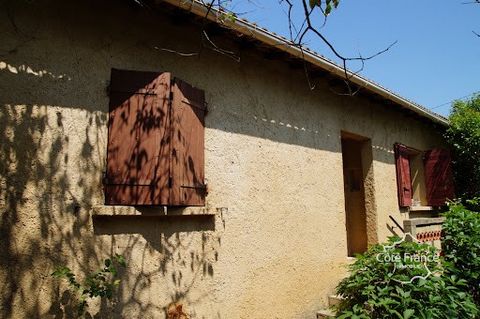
[[326, 313], [334, 300]]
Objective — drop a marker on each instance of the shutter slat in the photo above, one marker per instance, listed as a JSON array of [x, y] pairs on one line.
[[404, 182], [188, 133], [122, 140], [138, 151], [438, 177]]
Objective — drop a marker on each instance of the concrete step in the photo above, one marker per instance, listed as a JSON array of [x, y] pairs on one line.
[[326, 313], [334, 300]]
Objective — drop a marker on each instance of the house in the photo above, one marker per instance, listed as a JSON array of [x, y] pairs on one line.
[[230, 187]]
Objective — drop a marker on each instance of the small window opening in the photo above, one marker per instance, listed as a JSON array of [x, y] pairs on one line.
[[417, 173]]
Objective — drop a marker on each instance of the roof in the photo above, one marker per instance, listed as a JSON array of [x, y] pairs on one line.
[[278, 42]]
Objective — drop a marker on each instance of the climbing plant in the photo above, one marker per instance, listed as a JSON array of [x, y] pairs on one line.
[[99, 284]]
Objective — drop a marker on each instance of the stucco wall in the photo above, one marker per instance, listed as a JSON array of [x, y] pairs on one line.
[[277, 244]]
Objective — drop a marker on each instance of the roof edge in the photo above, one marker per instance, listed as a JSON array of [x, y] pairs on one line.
[[249, 29]]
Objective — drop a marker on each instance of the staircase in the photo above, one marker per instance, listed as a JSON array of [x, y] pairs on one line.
[[333, 300]]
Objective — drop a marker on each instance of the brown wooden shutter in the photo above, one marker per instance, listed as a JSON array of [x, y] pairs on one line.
[[404, 182], [188, 134], [138, 150], [438, 177]]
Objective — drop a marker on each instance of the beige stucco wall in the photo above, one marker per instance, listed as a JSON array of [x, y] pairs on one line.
[[277, 244]]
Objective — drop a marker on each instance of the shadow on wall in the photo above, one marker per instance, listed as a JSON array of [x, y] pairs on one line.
[[176, 253], [44, 211], [52, 156], [45, 222], [297, 116], [53, 146]]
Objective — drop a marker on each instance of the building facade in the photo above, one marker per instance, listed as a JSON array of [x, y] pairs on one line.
[[291, 182]]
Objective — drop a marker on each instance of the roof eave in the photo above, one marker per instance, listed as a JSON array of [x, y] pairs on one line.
[[251, 30]]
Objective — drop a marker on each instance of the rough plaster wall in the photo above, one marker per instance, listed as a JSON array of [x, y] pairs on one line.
[[273, 160], [369, 187]]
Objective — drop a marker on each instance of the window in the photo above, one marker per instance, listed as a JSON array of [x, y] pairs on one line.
[[155, 152], [423, 178]]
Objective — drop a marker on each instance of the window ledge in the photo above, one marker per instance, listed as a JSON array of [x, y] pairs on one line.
[[421, 208], [106, 210], [423, 221]]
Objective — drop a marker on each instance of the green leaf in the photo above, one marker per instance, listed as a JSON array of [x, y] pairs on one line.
[[62, 272], [408, 313], [328, 9], [101, 283]]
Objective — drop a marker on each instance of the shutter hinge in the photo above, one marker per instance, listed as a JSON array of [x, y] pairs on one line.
[[172, 83], [206, 108], [203, 188], [104, 179]]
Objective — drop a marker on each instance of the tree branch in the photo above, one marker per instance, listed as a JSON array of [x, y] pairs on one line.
[[344, 59], [297, 37]]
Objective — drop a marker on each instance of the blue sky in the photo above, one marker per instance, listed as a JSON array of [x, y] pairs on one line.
[[436, 59]]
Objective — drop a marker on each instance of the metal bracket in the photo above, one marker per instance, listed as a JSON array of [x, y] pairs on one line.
[[203, 187]]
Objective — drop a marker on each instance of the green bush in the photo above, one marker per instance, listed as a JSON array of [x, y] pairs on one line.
[[461, 245], [99, 284], [463, 136], [379, 288]]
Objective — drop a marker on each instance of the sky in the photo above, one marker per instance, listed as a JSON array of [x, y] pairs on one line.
[[437, 56]]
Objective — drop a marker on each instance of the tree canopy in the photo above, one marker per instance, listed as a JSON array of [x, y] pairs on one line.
[[463, 136]]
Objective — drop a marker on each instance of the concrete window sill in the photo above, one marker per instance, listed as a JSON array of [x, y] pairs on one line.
[[106, 210], [423, 221], [421, 208]]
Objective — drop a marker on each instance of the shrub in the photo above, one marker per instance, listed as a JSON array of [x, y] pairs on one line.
[[101, 283], [463, 135], [381, 289], [461, 245]]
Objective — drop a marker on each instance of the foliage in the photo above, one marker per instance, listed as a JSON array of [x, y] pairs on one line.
[[101, 283], [377, 289], [227, 17], [326, 6], [473, 204], [463, 136], [461, 245]]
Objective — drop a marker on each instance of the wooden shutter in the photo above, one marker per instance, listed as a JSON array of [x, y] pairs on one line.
[[188, 134], [438, 177], [138, 150], [404, 182]]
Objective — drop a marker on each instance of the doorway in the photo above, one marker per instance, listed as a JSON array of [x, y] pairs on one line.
[[357, 166]]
